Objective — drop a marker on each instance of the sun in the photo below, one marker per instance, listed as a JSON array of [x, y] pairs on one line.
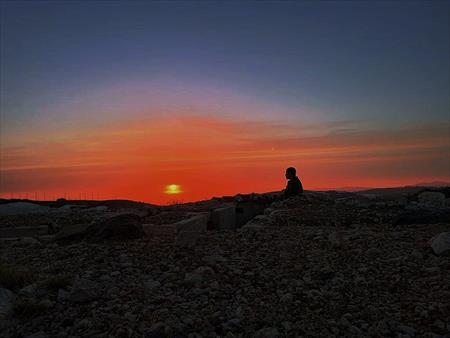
[[172, 189]]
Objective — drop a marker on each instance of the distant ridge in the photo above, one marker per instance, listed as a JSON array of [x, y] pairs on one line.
[[433, 184]]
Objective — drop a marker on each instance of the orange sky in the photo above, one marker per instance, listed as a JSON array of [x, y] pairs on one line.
[[210, 156]]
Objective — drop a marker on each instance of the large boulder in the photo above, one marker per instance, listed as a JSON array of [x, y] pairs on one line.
[[118, 227], [6, 302], [441, 243], [431, 198]]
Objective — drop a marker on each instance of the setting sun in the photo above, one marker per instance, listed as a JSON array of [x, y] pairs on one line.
[[173, 189]]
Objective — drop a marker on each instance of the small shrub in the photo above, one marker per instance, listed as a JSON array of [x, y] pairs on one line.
[[28, 308], [57, 282], [13, 278]]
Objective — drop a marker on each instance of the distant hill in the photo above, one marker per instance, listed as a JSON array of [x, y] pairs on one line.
[[352, 189], [404, 191], [434, 184], [418, 186]]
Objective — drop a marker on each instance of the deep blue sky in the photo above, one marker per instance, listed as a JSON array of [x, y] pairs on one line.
[[384, 62]]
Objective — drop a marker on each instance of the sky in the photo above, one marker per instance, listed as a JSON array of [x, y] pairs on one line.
[[121, 99]]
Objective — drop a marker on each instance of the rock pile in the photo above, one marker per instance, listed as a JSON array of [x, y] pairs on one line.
[[322, 265]]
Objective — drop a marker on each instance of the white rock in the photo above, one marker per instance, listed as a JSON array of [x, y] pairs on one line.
[[441, 243]]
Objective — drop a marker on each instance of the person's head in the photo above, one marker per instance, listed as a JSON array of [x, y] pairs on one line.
[[290, 173]]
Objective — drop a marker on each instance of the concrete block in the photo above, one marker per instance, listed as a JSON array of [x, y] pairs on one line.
[[224, 218], [197, 222], [245, 211]]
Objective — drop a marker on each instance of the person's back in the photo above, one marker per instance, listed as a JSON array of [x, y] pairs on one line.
[[294, 186]]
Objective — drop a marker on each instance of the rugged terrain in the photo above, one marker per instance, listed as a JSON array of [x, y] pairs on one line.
[[322, 265]]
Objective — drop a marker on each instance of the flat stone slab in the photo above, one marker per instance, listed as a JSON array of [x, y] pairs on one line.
[[23, 231], [17, 208]]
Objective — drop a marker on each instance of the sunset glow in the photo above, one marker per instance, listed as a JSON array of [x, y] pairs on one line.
[[141, 101], [173, 189]]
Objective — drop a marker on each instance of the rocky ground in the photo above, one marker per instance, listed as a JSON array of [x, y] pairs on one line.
[[325, 265]]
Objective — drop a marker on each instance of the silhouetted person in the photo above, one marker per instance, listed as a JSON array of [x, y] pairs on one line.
[[294, 186]]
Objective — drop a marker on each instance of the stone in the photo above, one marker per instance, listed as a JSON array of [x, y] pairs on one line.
[[233, 324], [441, 243], [334, 240], [157, 330], [268, 211], [247, 210], [39, 334], [287, 326], [260, 220], [249, 228], [268, 332], [286, 298], [187, 239], [200, 274], [373, 252], [213, 259], [63, 295], [85, 290], [28, 291], [406, 329], [17, 208], [119, 227], [71, 233], [224, 218], [151, 284], [416, 254], [422, 216], [82, 324], [205, 271], [30, 241], [6, 301], [215, 285]]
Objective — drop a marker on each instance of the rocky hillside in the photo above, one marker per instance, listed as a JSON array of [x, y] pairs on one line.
[[323, 265]]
